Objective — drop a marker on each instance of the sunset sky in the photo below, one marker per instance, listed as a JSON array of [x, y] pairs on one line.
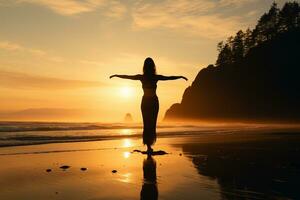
[[56, 55]]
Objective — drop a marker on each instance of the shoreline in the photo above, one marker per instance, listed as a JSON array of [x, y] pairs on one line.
[[260, 166], [44, 137]]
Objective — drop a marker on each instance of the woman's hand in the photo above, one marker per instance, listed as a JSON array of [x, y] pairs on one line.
[[183, 77], [113, 76]]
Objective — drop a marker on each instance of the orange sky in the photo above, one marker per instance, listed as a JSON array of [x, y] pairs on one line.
[[58, 54]]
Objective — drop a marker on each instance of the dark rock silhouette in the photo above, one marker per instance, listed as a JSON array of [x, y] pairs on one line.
[[256, 76], [64, 167], [128, 118]]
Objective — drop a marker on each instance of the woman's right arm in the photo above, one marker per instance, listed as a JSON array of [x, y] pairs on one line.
[[131, 77]]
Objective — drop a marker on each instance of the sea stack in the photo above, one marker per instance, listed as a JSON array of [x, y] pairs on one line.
[[128, 118]]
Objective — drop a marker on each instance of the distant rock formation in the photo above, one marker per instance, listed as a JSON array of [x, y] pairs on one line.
[[256, 76], [128, 118]]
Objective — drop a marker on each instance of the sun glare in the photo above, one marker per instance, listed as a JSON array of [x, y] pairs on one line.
[[127, 143], [126, 91], [126, 132], [126, 154]]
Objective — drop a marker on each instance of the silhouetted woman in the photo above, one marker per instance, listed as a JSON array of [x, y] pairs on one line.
[[150, 103]]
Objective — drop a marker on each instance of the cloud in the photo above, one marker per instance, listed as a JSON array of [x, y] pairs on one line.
[[205, 18], [68, 7], [114, 8], [11, 46], [234, 3], [16, 80]]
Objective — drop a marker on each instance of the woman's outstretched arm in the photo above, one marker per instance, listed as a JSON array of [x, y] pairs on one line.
[[166, 78], [131, 77]]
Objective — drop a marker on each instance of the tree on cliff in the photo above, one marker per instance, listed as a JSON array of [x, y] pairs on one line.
[[270, 25]]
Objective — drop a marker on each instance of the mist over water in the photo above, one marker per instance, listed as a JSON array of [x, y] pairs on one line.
[[28, 133]]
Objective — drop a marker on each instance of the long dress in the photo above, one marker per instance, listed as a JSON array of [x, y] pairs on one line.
[[149, 107]]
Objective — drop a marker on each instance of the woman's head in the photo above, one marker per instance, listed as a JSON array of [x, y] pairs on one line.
[[149, 68]]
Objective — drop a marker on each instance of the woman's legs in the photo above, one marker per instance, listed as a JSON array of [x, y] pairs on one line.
[[149, 107]]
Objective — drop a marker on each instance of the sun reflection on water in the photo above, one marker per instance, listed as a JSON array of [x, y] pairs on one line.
[[127, 143], [126, 132], [126, 178], [126, 154]]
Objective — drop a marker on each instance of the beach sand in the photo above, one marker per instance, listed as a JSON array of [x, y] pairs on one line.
[[213, 166]]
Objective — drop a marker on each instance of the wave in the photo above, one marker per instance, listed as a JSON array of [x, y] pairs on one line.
[[31, 133], [61, 126], [29, 139], [49, 126]]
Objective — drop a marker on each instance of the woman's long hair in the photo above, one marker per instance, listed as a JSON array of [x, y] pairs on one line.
[[149, 68]]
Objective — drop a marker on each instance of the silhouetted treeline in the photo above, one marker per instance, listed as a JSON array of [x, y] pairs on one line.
[[269, 26], [256, 75]]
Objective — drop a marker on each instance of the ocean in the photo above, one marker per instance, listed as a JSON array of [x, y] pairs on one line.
[[29, 133]]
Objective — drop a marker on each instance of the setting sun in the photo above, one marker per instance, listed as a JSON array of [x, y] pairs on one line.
[[126, 91]]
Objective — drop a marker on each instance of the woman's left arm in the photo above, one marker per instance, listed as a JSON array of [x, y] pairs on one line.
[[166, 78]]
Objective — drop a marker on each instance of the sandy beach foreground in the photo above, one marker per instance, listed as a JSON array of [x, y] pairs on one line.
[[214, 166]]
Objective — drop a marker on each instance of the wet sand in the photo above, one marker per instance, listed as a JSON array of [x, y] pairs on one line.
[[214, 166]]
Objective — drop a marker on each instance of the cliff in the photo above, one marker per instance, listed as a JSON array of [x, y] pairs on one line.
[[249, 82]]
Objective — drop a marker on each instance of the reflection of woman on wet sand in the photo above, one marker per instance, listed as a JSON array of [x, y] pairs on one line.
[[149, 104], [149, 189]]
